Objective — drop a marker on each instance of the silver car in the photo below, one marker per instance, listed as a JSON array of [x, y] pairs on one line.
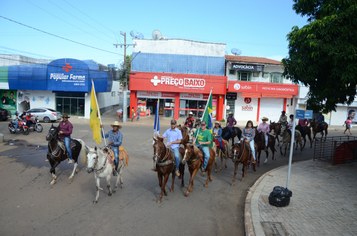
[[45, 114]]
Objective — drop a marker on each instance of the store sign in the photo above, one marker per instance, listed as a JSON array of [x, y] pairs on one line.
[[231, 96], [191, 96], [263, 89], [178, 82], [247, 108], [247, 67]]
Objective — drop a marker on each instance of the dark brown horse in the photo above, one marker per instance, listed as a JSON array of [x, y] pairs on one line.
[[319, 128], [277, 127], [259, 141], [221, 153], [57, 152], [227, 135], [194, 158], [305, 131], [241, 153], [165, 165]]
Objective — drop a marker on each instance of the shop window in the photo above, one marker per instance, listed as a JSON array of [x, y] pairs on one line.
[[256, 74], [230, 103], [276, 77], [244, 76], [266, 75], [232, 72]]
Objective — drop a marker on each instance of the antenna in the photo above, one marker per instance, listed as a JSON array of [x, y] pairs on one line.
[[136, 35], [156, 35], [236, 51]]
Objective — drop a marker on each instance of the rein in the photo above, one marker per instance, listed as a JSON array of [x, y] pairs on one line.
[[100, 170], [240, 154], [164, 161]]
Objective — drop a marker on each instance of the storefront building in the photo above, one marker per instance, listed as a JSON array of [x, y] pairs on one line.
[[63, 85], [256, 88], [180, 74]]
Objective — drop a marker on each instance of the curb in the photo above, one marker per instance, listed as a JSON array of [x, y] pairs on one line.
[[248, 219]]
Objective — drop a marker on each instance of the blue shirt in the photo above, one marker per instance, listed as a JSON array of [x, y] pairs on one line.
[[173, 135], [248, 133], [116, 138]]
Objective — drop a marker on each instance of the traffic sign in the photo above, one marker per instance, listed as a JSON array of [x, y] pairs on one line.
[[300, 114], [308, 114]]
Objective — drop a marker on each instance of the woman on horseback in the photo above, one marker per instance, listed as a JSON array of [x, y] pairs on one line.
[[248, 136], [217, 133], [265, 129]]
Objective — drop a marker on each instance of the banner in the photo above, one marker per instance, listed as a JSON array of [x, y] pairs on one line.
[[94, 117], [157, 119], [207, 114]]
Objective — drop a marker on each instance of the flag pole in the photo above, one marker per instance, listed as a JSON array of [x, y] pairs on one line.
[[203, 115], [99, 116]]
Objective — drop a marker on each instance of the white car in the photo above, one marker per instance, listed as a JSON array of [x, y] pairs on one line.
[[45, 114]]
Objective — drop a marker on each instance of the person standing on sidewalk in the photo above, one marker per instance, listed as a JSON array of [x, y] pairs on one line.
[[138, 113], [174, 136], [132, 114], [65, 128]]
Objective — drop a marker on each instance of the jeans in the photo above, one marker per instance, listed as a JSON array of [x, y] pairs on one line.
[[67, 143], [177, 156], [206, 155], [251, 144], [116, 155]]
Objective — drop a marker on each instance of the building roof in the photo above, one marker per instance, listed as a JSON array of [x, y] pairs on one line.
[[260, 60]]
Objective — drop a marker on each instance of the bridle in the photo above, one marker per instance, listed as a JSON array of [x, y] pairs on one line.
[[55, 153], [96, 158], [163, 161], [240, 154], [190, 160]]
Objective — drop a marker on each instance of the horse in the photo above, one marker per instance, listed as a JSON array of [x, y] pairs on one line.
[[287, 141], [221, 154], [241, 153], [319, 128], [101, 162], [227, 135], [165, 165], [194, 158], [57, 152], [278, 129], [305, 131], [259, 143], [186, 137]]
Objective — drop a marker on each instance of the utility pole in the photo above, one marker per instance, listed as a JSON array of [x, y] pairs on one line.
[[125, 92]]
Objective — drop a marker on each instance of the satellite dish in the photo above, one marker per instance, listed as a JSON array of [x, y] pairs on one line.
[[156, 35], [136, 35], [236, 51]]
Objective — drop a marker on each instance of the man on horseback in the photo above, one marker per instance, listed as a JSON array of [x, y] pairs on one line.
[[283, 120], [231, 122], [190, 120], [248, 135], [291, 123], [65, 128], [203, 142], [265, 129], [217, 133], [320, 119], [115, 139], [174, 137]]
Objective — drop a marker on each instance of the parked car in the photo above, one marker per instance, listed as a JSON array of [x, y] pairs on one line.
[[4, 114], [45, 114]]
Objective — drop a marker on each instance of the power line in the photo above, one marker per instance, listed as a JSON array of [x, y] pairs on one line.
[[57, 36]]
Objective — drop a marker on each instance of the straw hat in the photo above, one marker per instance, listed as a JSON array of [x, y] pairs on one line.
[[116, 123], [265, 119], [217, 122], [230, 113]]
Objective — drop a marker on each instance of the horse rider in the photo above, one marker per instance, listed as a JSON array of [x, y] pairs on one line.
[[203, 142], [115, 139], [217, 134], [231, 122], [248, 134], [265, 129], [303, 122], [320, 119], [283, 120], [291, 123], [190, 120], [174, 137], [65, 128]]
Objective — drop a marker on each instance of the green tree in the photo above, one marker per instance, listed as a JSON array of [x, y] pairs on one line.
[[323, 53], [125, 72]]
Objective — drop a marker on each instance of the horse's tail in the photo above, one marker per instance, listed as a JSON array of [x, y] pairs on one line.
[[84, 151], [124, 155]]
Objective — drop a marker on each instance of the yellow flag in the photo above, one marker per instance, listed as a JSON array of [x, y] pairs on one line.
[[94, 121]]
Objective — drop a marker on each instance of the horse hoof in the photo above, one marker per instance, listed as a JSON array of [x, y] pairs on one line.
[[187, 193], [53, 182], [109, 194], [95, 202]]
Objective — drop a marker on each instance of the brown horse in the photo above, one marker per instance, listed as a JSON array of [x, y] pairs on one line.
[[221, 154], [319, 128], [241, 153], [185, 139], [259, 141], [194, 158], [165, 165], [277, 127]]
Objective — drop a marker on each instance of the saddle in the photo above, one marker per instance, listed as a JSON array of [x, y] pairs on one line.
[[63, 147]]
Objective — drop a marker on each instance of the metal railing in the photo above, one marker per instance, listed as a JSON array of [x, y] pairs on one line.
[[325, 149]]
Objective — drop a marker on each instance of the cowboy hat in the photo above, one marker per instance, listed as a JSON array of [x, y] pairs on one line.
[[116, 123], [217, 122], [190, 113], [65, 115], [230, 113], [265, 119]]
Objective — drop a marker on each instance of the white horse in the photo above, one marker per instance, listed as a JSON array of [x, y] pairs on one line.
[[100, 161]]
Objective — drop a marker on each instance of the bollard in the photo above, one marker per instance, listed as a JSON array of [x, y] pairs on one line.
[[1, 138]]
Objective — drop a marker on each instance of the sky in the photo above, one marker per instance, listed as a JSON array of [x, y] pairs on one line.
[[88, 30]]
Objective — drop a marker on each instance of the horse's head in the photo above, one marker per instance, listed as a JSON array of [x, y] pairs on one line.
[[92, 159], [52, 133], [189, 151], [159, 148], [236, 149]]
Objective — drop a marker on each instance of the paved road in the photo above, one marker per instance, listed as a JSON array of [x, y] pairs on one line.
[[30, 206]]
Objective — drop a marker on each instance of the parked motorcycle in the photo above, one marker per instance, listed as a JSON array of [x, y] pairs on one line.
[[21, 128]]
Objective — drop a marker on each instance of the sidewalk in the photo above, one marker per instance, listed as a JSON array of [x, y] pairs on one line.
[[324, 201]]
